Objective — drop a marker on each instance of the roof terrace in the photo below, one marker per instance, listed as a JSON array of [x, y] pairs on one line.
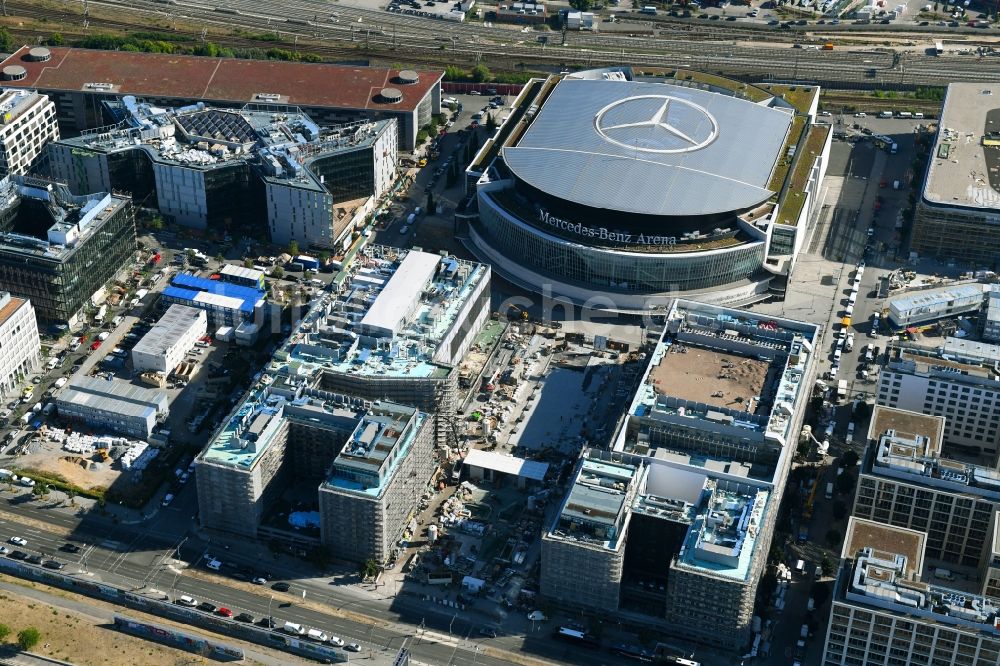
[[281, 141], [372, 453], [597, 506], [914, 459], [57, 223], [727, 368], [880, 579]]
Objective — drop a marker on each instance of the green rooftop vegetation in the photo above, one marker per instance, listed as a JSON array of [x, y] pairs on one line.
[[800, 97], [751, 92], [785, 160], [791, 206]]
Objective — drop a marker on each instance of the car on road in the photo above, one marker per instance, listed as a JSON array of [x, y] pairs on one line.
[[18, 541], [267, 622], [185, 600], [35, 559], [18, 555], [259, 580], [4, 550], [334, 640], [537, 616], [489, 632], [244, 617], [69, 548], [53, 564], [281, 587], [352, 647], [167, 499], [224, 612], [207, 607]]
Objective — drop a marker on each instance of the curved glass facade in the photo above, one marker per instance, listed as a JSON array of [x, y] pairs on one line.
[[625, 272]]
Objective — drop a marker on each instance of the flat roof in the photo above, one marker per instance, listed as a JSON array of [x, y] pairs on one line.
[[928, 298], [221, 79], [241, 272], [650, 148], [387, 314], [506, 464], [226, 294], [113, 396], [962, 170], [887, 540], [174, 325], [907, 424]]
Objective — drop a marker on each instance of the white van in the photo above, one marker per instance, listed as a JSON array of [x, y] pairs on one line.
[[317, 635], [117, 321], [294, 629], [885, 114], [919, 115]]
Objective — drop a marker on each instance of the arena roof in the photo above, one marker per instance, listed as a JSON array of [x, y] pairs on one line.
[[650, 148], [221, 79]]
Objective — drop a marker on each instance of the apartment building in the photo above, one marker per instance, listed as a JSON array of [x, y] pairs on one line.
[[353, 404], [113, 405], [883, 613], [27, 125], [20, 346], [163, 347], [224, 303], [956, 381], [906, 482], [672, 526]]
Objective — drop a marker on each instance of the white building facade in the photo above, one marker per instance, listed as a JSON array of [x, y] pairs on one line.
[[164, 346], [20, 346], [29, 123]]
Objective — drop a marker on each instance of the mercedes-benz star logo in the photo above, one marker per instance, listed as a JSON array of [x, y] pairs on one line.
[[656, 124]]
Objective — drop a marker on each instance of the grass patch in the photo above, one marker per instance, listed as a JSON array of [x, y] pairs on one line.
[[800, 97], [58, 482], [752, 93], [791, 207], [784, 161]]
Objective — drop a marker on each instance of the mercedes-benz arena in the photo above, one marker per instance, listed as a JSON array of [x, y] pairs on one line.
[[630, 191]]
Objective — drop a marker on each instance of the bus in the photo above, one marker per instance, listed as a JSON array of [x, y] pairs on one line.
[[576, 636]]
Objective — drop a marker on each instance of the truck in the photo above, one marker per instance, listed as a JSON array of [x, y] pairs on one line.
[[829, 490], [841, 389], [308, 263]]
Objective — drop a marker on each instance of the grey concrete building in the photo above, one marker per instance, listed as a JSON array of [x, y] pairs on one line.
[[883, 614], [906, 482], [672, 526]]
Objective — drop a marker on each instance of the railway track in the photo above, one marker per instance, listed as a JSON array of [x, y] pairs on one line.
[[347, 32]]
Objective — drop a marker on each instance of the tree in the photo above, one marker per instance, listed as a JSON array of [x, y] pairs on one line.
[[581, 5], [480, 73], [827, 565], [293, 248], [247, 263], [56, 39], [850, 458], [156, 224], [491, 123], [454, 73], [6, 41], [4, 632], [833, 538], [71, 496], [277, 272], [28, 638], [40, 490], [369, 569]]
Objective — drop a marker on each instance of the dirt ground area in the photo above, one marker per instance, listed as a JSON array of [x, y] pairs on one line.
[[78, 630], [710, 377], [68, 466]]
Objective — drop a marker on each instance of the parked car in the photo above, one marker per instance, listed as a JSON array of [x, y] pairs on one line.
[[244, 617], [69, 548], [185, 600], [207, 607], [281, 587]]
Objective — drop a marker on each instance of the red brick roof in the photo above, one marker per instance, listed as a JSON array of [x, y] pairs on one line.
[[222, 79]]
